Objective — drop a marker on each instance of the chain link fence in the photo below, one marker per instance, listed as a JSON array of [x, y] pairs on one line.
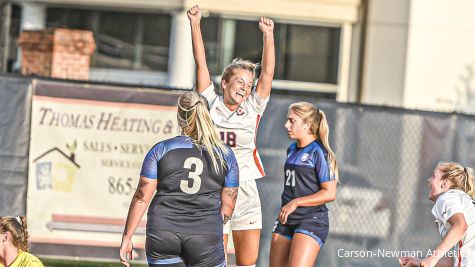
[[385, 156]]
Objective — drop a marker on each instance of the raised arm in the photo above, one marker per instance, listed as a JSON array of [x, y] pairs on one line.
[[139, 204], [264, 84], [203, 79]]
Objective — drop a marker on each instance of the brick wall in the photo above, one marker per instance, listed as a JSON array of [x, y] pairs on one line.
[[59, 53]]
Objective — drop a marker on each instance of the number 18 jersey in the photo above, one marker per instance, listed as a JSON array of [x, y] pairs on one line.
[[188, 198], [238, 129]]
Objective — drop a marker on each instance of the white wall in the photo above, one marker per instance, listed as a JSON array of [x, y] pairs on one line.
[[441, 46], [385, 52]]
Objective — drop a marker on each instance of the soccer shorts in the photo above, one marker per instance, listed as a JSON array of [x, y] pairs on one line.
[[316, 230], [247, 212], [167, 249]]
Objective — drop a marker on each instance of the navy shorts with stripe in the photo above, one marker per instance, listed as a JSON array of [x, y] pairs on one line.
[[316, 230], [164, 248]]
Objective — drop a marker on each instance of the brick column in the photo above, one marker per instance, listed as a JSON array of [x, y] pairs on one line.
[[58, 53]]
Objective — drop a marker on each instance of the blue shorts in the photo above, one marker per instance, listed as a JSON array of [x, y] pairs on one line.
[[316, 230]]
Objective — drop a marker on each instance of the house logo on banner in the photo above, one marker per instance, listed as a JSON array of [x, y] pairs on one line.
[[55, 170]]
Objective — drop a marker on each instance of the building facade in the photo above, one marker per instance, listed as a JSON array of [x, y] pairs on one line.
[[147, 42]]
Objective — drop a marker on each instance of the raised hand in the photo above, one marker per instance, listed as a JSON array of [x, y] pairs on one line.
[[266, 25], [194, 14]]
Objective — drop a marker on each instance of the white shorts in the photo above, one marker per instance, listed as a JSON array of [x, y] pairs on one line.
[[247, 212]]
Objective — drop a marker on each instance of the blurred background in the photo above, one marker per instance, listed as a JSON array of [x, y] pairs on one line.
[[395, 77]]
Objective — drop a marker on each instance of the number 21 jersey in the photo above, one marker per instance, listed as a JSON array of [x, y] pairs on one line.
[[306, 168]]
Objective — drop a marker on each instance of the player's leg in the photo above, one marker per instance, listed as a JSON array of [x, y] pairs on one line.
[[226, 232], [163, 249], [246, 224], [280, 245], [203, 250], [246, 246], [306, 243], [303, 251]]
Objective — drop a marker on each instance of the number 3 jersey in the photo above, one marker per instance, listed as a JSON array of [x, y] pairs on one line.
[[238, 129], [305, 170], [188, 197]]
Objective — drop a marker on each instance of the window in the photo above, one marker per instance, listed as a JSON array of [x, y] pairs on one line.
[[303, 53], [8, 37], [124, 40]]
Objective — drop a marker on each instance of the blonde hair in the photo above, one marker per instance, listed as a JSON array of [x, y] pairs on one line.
[[319, 128], [195, 121], [461, 177], [17, 228], [238, 63]]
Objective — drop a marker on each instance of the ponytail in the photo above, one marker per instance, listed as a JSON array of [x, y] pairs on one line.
[[195, 122], [469, 187], [322, 133]]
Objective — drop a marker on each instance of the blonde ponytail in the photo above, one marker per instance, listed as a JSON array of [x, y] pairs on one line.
[[195, 121], [322, 134]]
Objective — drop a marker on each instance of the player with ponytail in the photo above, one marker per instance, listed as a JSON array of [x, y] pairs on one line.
[[310, 179], [451, 188], [195, 177]]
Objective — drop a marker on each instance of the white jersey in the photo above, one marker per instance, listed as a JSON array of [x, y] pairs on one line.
[[449, 203], [238, 129]]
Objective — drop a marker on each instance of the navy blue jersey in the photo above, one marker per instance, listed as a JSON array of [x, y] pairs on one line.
[[188, 198], [305, 170]]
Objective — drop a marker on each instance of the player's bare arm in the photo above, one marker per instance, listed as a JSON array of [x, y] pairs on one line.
[[264, 83], [228, 201], [203, 79], [454, 235], [142, 196]]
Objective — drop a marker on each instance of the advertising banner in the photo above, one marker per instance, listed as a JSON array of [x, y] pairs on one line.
[[86, 150]]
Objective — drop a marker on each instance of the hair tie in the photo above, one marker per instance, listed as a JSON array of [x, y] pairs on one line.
[[18, 219]]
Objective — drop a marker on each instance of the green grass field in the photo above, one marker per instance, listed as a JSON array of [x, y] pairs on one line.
[[72, 263]]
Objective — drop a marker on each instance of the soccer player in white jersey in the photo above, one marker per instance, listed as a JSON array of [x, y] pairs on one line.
[[451, 188], [236, 115]]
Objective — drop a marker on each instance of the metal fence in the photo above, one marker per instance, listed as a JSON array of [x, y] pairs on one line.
[[385, 156]]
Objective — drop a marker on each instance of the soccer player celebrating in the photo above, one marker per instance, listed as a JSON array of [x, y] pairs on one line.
[[451, 188], [310, 180], [236, 115], [196, 179]]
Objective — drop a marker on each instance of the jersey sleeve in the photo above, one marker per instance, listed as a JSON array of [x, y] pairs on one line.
[[209, 93], [150, 163], [232, 177], [448, 205], [257, 103], [322, 168]]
